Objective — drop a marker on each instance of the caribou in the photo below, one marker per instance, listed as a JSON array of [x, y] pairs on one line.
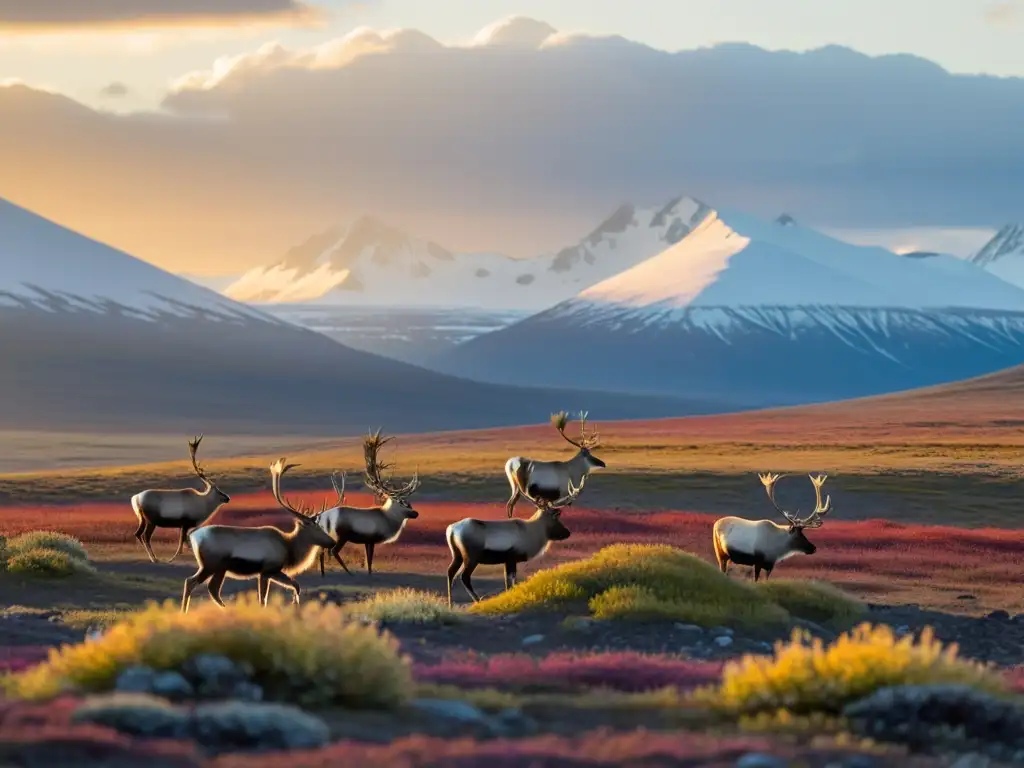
[[184, 508], [764, 543], [506, 542], [550, 480], [369, 526], [265, 553]]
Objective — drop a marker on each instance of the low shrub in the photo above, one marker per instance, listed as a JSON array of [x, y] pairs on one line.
[[47, 540], [640, 581], [816, 601], [405, 606], [47, 562], [317, 658], [807, 676], [45, 553]]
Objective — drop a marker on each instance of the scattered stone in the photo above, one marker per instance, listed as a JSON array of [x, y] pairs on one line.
[[688, 628], [722, 631], [723, 641], [814, 628], [171, 685], [213, 676], [246, 691], [235, 726], [533, 639], [902, 629], [137, 714], [766, 647], [930, 718], [966, 597], [135, 680], [451, 709], [512, 723], [761, 760], [998, 616]]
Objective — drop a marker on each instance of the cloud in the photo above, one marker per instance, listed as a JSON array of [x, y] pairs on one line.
[[1005, 12], [114, 90], [40, 16], [516, 147]]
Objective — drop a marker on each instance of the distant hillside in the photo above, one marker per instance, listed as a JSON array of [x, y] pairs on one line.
[[771, 313], [92, 338]]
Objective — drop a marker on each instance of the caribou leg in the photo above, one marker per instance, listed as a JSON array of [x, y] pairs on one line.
[[215, 586], [369, 559], [190, 583], [467, 581], [288, 583], [146, 540], [263, 587], [453, 570]]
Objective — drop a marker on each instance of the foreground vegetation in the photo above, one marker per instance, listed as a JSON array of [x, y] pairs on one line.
[[643, 581]]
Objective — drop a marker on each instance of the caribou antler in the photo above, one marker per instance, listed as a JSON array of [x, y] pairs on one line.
[[559, 421], [277, 471], [193, 449], [371, 453], [813, 520], [820, 510]]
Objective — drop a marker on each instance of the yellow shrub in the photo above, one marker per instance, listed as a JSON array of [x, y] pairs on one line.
[[808, 677], [47, 540], [817, 601], [640, 581], [314, 657], [405, 606], [47, 562]]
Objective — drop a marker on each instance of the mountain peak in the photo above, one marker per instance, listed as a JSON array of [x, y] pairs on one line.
[[1008, 241]]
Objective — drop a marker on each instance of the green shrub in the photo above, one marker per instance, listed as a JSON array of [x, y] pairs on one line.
[[806, 677], [314, 656], [47, 540], [405, 606], [816, 601], [47, 562], [639, 581]]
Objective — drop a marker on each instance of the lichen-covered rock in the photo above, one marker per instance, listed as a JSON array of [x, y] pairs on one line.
[[214, 676], [171, 685], [136, 680], [933, 718], [236, 726], [136, 714]]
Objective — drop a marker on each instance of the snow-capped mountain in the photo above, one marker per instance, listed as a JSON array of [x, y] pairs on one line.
[[92, 338], [1003, 255], [764, 313], [368, 263]]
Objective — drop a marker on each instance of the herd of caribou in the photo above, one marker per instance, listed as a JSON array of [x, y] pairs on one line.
[[272, 555]]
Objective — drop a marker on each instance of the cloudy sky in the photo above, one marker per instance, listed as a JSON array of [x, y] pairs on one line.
[[208, 135]]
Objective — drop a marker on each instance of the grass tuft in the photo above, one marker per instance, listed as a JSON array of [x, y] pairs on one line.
[[405, 606], [314, 656], [817, 601], [657, 582], [45, 553], [806, 677]]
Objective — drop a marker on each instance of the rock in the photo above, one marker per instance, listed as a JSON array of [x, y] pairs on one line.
[[723, 641], [814, 628], [693, 628], [722, 631], [171, 685], [533, 640], [213, 676], [936, 717], [137, 714], [512, 723], [966, 597], [236, 726], [450, 709], [761, 760], [998, 616], [135, 680], [246, 691], [902, 629], [766, 647]]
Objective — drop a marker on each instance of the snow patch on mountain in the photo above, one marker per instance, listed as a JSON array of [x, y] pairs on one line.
[[735, 260], [1003, 255], [368, 263], [51, 268]]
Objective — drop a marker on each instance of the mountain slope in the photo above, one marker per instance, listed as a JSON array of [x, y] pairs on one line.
[[370, 264], [766, 312], [1003, 255], [92, 338]]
